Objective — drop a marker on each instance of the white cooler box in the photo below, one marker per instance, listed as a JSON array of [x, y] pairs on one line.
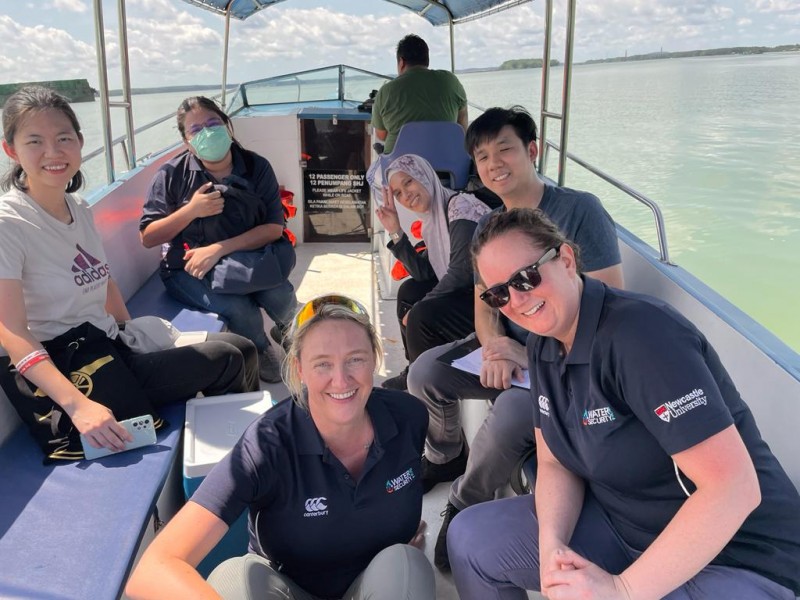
[[213, 425]]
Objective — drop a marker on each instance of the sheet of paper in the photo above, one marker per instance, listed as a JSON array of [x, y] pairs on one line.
[[471, 363], [187, 338]]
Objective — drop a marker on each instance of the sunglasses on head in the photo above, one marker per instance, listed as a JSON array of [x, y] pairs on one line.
[[524, 280], [312, 308]]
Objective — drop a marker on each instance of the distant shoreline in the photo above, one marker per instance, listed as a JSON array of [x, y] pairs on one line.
[[531, 63], [171, 88]]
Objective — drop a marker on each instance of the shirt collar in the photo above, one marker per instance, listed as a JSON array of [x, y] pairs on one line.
[[309, 441], [592, 300]]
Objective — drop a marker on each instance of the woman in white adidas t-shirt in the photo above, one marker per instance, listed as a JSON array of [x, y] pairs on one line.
[[54, 275]]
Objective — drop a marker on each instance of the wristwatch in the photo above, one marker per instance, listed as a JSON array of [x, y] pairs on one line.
[[395, 237]]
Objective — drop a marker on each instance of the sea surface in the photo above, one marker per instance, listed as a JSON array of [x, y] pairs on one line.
[[715, 141]]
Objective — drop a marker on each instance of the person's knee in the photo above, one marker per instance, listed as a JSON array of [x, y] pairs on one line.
[[238, 343], [404, 570], [422, 316], [466, 542], [425, 372], [512, 417], [240, 577]]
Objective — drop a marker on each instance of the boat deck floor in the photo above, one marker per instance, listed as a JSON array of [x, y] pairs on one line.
[[350, 269]]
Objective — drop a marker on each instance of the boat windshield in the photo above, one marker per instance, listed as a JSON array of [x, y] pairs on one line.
[[339, 83]]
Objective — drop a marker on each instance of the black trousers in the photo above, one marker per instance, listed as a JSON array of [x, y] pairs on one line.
[[225, 363], [433, 321]]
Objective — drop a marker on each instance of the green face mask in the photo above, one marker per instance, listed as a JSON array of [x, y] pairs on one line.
[[212, 143]]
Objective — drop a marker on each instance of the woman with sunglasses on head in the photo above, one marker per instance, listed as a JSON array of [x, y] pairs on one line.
[[57, 292], [436, 305], [214, 199], [330, 479], [652, 478]]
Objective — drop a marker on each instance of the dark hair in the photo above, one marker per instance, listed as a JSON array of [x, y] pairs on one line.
[[531, 222], [189, 104], [487, 127], [413, 50], [27, 101]]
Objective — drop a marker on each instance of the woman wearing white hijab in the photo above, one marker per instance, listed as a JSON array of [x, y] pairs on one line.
[[436, 305]]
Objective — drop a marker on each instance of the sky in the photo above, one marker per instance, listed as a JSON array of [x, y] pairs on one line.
[[173, 43]]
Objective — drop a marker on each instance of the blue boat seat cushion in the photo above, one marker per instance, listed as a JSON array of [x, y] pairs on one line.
[[71, 530], [152, 299]]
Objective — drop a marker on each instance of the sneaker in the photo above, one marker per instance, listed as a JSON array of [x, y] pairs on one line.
[[440, 557], [433, 474], [398, 382], [269, 365], [277, 334]]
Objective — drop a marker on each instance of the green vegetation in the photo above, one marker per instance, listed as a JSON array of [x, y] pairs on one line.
[[75, 90], [740, 50], [527, 63]]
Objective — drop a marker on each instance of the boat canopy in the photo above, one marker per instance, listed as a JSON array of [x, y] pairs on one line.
[[437, 12]]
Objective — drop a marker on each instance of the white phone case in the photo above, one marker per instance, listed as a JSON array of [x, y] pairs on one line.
[[142, 430]]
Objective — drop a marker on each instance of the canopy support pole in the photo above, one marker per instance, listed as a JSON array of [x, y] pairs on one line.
[[225, 52], [566, 92]]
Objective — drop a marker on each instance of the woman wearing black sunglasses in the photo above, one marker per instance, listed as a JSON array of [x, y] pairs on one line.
[[652, 478]]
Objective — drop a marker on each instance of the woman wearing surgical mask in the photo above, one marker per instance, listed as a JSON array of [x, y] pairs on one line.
[[213, 199]]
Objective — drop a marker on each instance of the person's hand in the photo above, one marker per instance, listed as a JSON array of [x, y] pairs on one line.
[[387, 214], [200, 261], [418, 541], [206, 201], [503, 347], [97, 423], [498, 374], [405, 319], [547, 557], [569, 576]]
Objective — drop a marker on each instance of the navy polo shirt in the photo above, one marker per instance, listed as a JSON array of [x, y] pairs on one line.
[[319, 526], [640, 384], [251, 195]]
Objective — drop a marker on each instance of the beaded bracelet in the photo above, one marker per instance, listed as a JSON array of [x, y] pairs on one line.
[[31, 359]]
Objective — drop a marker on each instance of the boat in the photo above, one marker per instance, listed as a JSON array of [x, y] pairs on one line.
[[302, 122]]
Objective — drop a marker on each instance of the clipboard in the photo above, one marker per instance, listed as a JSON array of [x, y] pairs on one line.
[[459, 358], [469, 345]]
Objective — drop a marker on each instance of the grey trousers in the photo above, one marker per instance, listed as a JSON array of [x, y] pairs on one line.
[[502, 440], [399, 572], [494, 554]]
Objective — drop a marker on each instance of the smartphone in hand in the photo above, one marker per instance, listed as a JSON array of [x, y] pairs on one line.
[[141, 429]]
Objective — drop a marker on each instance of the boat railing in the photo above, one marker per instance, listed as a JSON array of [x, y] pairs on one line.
[[661, 230], [121, 141]]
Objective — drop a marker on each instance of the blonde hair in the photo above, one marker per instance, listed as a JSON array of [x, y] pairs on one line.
[[298, 334]]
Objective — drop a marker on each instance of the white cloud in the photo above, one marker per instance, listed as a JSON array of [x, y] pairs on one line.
[[173, 43], [42, 53], [776, 6], [78, 6]]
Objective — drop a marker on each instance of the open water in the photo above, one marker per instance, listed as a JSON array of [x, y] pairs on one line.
[[715, 141]]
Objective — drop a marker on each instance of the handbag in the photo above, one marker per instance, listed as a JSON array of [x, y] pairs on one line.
[[94, 364], [248, 271]]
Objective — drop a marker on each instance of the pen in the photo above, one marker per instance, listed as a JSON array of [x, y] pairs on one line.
[[186, 246]]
